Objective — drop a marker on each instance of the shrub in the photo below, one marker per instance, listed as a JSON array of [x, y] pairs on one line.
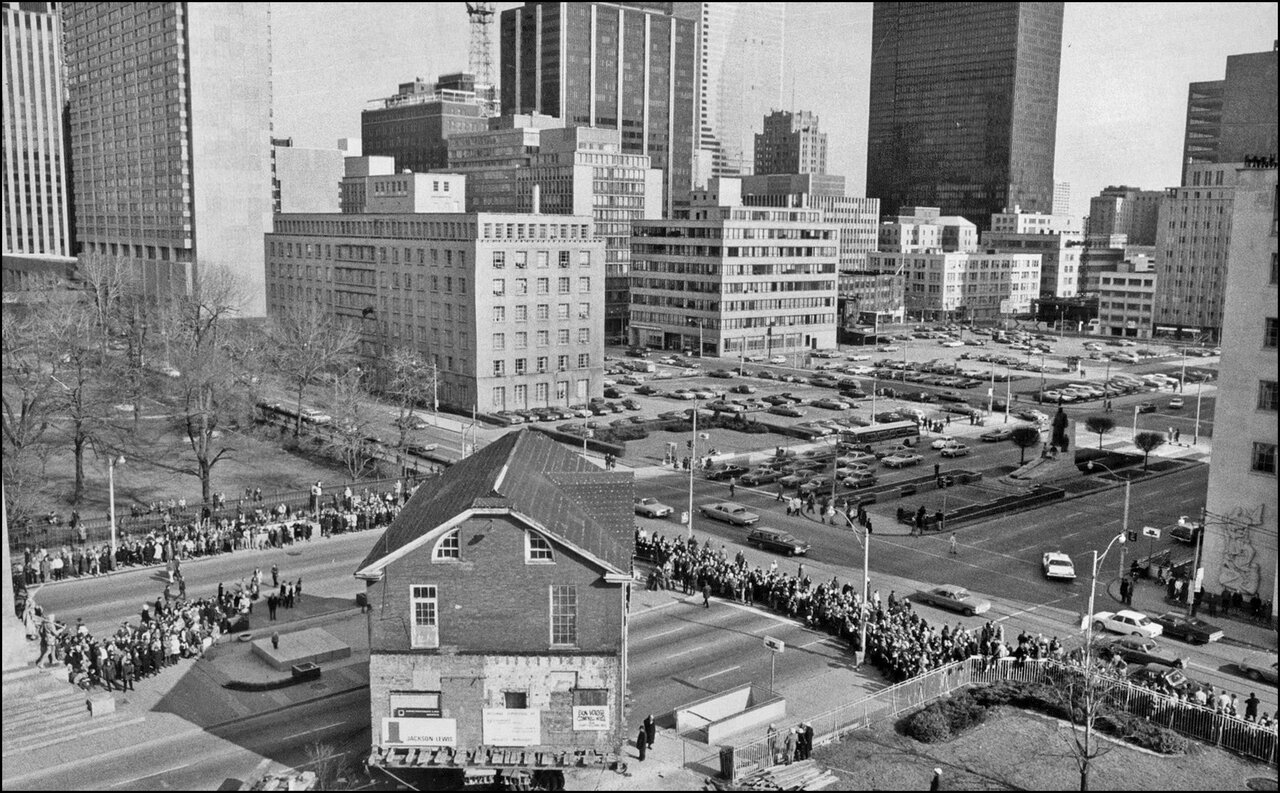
[[963, 712], [928, 725]]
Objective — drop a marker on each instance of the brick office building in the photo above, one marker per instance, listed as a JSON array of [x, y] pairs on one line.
[[498, 622]]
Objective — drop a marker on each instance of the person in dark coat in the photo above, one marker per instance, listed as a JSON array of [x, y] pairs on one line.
[[936, 784], [806, 739], [650, 730], [641, 742]]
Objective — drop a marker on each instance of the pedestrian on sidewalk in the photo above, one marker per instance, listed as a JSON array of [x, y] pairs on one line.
[[789, 747], [936, 784], [706, 595], [275, 575], [641, 742], [953, 544], [650, 730], [732, 486]]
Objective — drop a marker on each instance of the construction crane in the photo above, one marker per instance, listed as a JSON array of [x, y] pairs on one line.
[[481, 61]]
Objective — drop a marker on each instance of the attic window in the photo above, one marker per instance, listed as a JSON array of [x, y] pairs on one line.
[[447, 548], [536, 548]]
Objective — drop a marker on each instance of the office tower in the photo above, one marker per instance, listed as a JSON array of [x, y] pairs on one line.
[[170, 126], [583, 171], [791, 143], [1057, 238], [1239, 551], [36, 211], [1195, 231], [1233, 118], [964, 106], [625, 66], [415, 124], [506, 307], [491, 159], [1123, 210], [1061, 198], [1126, 299], [304, 180], [740, 48], [734, 298]]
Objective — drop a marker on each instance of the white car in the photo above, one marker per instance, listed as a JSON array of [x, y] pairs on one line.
[[1058, 565], [952, 343], [955, 450], [652, 508], [778, 359], [315, 417], [1134, 623], [943, 442], [859, 358], [860, 370]]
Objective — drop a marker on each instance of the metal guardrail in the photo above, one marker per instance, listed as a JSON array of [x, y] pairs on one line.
[[1192, 721]]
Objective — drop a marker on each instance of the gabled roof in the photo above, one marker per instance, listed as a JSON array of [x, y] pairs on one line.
[[532, 475]]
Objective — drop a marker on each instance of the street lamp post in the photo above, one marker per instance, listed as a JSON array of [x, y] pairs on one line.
[[111, 502], [866, 579], [693, 460], [1124, 522], [1135, 423], [1093, 587], [1195, 441]]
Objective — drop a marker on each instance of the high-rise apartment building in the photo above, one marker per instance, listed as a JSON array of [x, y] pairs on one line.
[[491, 159], [1057, 238], [1126, 300], [1239, 552], [36, 206], [170, 128], [505, 307], [791, 143], [1234, 118], [740, 48], [734, 280], [583, 171], [415, 124], [964, 106], [1061, 198], [625, 66], [857, 219]]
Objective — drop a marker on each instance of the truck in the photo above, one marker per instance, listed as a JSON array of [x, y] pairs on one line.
[[641, 366]]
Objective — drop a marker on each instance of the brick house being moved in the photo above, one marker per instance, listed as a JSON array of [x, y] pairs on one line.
[[498, 626]]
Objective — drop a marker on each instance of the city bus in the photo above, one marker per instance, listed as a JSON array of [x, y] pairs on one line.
[[881, 432]]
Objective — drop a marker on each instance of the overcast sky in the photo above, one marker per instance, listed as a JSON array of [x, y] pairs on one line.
[[1122, 95]]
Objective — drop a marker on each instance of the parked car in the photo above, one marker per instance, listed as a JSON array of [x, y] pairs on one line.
[[743, 389], [1176, 403], [760, 476], [1259, 666], [723, 374], [1192, 631], [859, 479], [778, 359], [1125, 621], [729, 512], [901, 460], [510, 417], [831, 404], [652, 508], [953, 598], [630, 404], [786, 410], [313, 416], [777, 540], [1158, 675], [1058, 565], [1141, 650], [725, 472], [1147, 407], [997, 434]]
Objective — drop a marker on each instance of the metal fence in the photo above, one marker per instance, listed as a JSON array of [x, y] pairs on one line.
[[1192, 721]]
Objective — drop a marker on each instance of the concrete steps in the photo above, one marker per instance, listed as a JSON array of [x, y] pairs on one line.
[[40, 707]]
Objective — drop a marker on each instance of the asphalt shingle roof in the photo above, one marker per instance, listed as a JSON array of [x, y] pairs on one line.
[[534, 475]]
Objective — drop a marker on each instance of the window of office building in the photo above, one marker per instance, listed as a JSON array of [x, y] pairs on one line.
[[1264, 458]]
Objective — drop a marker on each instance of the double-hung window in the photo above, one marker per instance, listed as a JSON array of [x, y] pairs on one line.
[[426, 610]]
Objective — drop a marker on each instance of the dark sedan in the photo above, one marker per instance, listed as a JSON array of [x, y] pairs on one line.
[[1141, 650], [1192, 631]]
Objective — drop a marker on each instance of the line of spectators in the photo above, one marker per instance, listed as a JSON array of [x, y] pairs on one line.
[[899, 642], [248, 528]]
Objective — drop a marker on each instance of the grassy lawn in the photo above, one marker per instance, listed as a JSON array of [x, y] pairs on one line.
[[1015, 750]]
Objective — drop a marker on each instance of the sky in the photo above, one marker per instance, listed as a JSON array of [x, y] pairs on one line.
[[1121, 98]]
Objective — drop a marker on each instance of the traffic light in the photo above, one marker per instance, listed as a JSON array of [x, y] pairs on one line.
[[688, 444], [1133, 535]]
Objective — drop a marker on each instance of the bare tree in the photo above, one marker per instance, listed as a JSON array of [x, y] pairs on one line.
[[207, 367], [1148, 442], [1024, 438], [349, 433], [1100, 425], [110, 284], [28, 402], [411, 381], [305, 341], [1084, 693], [79, 370]]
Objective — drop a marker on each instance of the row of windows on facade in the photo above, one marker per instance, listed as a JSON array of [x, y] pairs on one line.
[[541, 363], [542, 259], [731, 306], [562, 599], [733, 232], [734, 251], [542, 312], [732, 270], [541, 393], [936, 289], [520, 286], [682, 321], [520, 339], [719, 287], [362, 277]]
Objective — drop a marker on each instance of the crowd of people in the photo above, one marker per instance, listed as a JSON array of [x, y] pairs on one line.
[[224, 531], [900, 643]]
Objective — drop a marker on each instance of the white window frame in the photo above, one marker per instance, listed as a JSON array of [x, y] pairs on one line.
[[530, 550], [551, 612], [425, 635], [448, 548]]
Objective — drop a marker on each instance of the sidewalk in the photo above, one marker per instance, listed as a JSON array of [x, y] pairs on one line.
[[1149, 598]]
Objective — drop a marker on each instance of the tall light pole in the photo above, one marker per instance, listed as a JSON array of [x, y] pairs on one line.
[[1088, 627], [866, 578], [1135, 423], [1195, 441], [693, 463], [1124, 522], [111, 502]]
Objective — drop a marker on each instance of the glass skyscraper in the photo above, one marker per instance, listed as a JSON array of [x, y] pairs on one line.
[[964, 107], [625, 66]]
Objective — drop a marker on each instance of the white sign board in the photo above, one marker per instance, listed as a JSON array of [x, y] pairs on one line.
[[774, 645], [419, 732], [590, 717], [1151, 531], [512, 726]]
